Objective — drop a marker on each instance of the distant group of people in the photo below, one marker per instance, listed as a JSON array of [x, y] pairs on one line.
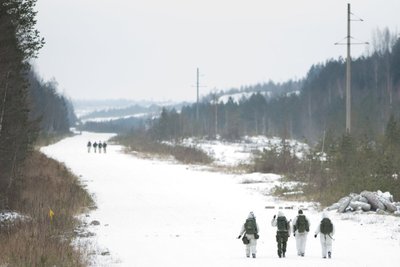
[[95, 145], [300, 229]]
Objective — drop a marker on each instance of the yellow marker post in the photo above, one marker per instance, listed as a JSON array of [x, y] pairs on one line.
[[51, 214]]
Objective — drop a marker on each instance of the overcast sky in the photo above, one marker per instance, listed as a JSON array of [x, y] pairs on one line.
[[150, 49]]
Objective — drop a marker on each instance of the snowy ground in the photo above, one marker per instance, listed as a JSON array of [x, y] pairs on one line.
[[227, 153], [155, 213]]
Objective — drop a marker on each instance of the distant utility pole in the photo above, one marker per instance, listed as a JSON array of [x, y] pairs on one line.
[[348, 68], [215, 114], [348, 75], [197, 89], [197, 103]]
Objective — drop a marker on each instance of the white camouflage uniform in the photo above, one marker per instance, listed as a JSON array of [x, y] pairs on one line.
[[326, 239], [251, 248], [301, 238]]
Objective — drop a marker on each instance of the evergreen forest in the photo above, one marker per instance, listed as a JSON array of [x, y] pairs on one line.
[[29, 107], [304, 109]]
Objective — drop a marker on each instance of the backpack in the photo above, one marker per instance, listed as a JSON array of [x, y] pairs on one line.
[[250, 226], [282, 224], [302, 224], [326, 226]]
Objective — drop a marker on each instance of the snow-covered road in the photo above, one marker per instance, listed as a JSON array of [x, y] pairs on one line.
[[155, 213]]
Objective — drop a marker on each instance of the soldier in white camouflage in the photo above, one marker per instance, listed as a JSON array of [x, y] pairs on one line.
[[301, 227], [326, 229], [250, 231]]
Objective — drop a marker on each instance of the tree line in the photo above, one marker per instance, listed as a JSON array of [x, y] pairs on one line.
[[53, 111], [313, 106], [28, 106]]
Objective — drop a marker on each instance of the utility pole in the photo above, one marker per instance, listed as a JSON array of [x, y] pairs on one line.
[[348, 68], [197, 120], [348, 75], [216, 115], [197, 103]]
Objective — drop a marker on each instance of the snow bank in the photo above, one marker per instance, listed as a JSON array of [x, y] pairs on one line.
[[227, 153], [9, 217]]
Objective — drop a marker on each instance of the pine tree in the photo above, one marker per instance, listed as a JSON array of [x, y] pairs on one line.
[[19, 41]]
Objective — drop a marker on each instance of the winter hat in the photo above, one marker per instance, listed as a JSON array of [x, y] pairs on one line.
[[324, 215], [300, 212], [280, 214], [251, 215]]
